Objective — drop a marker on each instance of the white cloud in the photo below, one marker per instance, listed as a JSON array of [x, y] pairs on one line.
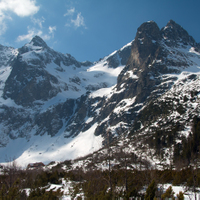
[[70, 12], [3, 26], [79, 21], [68, 24], [38, 21], [31, 33], [51, 30], [21, 8]]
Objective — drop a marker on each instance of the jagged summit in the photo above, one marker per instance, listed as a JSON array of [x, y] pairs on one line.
[[148, 29], [149, 41], [36, 44], [38, 41], [174, 33], [145, 44]]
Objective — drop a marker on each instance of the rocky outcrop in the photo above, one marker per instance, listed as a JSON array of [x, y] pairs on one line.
[[27, 84]]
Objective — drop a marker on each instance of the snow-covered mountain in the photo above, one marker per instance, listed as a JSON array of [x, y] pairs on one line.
[[43, 101], [53, 107]]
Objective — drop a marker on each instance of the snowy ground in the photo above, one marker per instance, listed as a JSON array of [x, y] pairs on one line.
[[57, 148], [65, 188]]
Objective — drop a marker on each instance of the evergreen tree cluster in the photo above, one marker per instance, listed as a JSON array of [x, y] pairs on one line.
[[14, 183], [188, 150]]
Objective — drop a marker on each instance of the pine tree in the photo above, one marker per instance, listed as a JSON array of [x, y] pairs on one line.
[[180, 196], [169, 193], [151, 190]]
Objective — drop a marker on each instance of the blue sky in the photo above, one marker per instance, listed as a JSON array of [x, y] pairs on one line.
[[90, 29]]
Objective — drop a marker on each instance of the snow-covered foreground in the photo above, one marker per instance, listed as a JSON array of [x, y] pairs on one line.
[[47, 148], [67, 186], [189, 195]]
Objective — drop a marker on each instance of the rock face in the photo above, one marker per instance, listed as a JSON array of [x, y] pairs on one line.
[[148, 85], [151, 81], [27, 84], [173, 33], [29, 79]]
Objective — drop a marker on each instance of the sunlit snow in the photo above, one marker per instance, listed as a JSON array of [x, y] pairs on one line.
[[47, 148]]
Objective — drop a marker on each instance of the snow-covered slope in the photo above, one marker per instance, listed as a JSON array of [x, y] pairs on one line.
[[41, 92]]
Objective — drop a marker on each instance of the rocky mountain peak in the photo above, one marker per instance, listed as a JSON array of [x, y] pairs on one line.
[[145, 44], [38, 41], [174, 33], [149, 56], [149, 29]]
